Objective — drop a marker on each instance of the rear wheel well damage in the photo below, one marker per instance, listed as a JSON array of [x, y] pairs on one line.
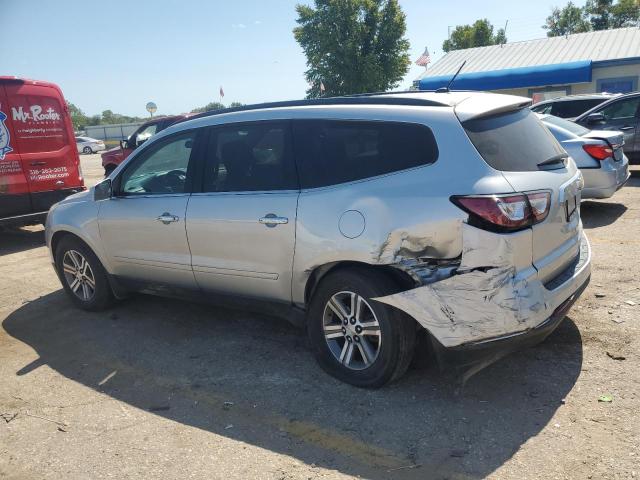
[[401, 278]]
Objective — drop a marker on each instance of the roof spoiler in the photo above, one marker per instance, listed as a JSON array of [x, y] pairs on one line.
[[488, 104]]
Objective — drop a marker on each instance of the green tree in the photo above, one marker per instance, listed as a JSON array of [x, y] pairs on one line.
[[78, 118], [352, 46], [595, 15], [566, 20], [108, 117], [236, 104], [208, 107], [599, 12], [480, 34], [625, 13]]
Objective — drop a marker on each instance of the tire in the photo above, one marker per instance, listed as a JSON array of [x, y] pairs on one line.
[[108, 169], [87, 150], [68, 256], [390, 350]]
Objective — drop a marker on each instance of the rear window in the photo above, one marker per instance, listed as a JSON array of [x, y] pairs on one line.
[[568, 125], [330, 152], [513, 142], [574, 108]]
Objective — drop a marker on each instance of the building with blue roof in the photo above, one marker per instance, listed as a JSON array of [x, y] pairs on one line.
[[581, 63]]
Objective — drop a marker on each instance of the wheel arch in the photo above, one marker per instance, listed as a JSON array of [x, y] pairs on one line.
[[318, 273]]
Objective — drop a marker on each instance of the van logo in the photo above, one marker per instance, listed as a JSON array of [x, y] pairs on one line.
[[34, 114], [4, 136]]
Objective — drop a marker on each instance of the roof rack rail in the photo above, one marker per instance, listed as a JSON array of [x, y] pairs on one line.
[[384, 98]]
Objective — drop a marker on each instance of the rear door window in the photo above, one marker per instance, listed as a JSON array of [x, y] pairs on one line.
[[330, 152], [573, 108], [513, 142], [250, 157]]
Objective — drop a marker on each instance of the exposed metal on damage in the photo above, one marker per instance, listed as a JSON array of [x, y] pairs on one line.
[[482, 300]]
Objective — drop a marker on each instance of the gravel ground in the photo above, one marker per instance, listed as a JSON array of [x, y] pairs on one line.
[[161, 388]]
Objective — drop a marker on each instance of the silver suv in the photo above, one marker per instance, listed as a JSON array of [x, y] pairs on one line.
[[374, 221]]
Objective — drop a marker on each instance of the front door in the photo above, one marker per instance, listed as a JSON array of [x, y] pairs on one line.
[[241, 226], [143, 225]]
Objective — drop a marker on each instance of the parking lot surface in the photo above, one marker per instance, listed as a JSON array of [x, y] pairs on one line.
[[162, 388]]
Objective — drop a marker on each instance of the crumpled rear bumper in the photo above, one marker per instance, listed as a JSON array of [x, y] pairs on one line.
[[484, 313], [471, 357]]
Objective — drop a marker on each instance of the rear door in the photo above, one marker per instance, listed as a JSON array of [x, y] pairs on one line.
[[241, 227], [14, 187], [517, 143], [44, 137]]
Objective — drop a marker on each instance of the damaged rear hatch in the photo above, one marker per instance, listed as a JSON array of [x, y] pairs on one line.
[[513, 141]]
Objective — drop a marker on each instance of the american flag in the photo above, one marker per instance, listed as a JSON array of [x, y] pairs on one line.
[[321, 88], [424, 59], [221, 92]]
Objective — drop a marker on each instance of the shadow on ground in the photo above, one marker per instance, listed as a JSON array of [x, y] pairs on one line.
[[596, 214], [183, 361], [14, 239]]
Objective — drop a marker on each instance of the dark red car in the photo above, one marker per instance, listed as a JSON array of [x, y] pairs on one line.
[[114, 157]]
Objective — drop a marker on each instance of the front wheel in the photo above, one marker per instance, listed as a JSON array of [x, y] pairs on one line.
[[82, 275], [354, 338], [87, 150]]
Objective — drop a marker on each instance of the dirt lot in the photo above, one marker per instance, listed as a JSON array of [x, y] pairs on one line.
[[159, 388]]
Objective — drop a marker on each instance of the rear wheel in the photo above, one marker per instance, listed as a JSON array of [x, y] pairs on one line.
[[82, 275], [354, 338], [87, 150]]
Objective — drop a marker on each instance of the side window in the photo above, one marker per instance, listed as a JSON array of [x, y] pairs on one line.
[[543, 108], [622, 109], [145, 133], [250, 157], [569, 108], [79, 140], [161, 169], [329, 152]]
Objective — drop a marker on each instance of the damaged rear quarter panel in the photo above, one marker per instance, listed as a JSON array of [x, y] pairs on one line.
[[408, 214]]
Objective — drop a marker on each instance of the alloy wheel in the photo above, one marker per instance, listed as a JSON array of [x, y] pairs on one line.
[[351, 330], [78, 274]]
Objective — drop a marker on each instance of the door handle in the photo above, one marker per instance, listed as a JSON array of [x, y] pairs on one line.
[[627, 127], [167, 218], [271, 220], [37, 164]]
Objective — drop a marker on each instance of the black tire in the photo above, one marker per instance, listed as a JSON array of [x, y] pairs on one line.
[[397, 331], [108, 169], [87, 150], [102, 294]]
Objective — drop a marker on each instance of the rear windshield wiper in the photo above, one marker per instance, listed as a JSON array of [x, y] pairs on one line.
[[560, 158]]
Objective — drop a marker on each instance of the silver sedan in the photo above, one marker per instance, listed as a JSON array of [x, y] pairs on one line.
[[89, 145], [597, 153]]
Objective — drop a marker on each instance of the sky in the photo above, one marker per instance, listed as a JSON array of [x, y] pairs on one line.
[[121, 54]]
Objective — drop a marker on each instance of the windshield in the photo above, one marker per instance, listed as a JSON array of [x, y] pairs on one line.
[[514, 141], [568, 125]]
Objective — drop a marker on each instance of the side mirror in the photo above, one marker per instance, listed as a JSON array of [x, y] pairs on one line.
[[595, 118], [124, 144], [102, 191]]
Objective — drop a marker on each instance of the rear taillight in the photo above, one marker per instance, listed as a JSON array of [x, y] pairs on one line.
[[508, 212], [599, 152]]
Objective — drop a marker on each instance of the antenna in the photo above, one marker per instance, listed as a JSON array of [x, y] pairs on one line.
[[446, 89]]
